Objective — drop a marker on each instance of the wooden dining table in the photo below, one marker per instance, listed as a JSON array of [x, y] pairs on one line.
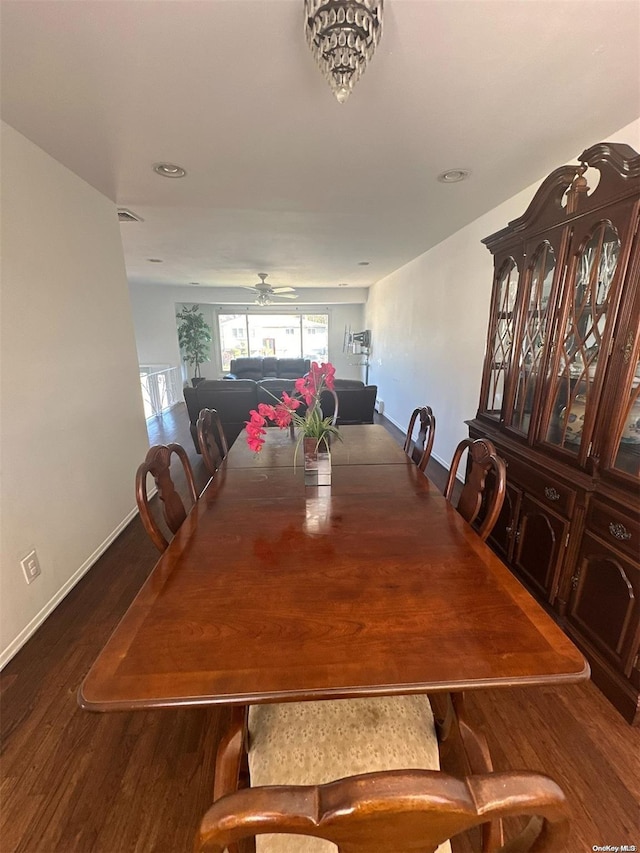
[[275, 591]]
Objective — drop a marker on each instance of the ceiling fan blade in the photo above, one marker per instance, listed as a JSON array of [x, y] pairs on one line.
[[285, 295], [252, 289], [282, 289]]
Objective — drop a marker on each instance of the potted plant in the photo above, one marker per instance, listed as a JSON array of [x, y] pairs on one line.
[[194, 337], [314, 430]]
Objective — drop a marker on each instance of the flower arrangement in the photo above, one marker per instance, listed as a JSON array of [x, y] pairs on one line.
[[284, 413]]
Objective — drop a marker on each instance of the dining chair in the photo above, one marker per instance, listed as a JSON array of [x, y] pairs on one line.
[[420, 450], [364, 774], [158, 463], [483, 459], [212, 440]]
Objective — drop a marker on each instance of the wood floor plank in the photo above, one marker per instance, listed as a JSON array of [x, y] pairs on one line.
[[75, 782]]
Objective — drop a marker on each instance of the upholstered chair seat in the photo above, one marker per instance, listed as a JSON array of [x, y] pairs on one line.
[[310, 743]]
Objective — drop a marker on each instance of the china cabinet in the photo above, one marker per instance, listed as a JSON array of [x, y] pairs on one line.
[[560, 398]]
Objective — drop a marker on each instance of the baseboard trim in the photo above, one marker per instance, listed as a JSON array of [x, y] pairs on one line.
[[15, 645]]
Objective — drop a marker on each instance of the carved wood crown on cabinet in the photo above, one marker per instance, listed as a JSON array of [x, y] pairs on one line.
[[560, 399]]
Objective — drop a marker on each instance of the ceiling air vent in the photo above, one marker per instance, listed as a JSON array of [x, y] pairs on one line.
[[125, 215]]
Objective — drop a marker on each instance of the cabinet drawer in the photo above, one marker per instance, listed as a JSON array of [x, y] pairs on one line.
[[615, 528], [549, 491]]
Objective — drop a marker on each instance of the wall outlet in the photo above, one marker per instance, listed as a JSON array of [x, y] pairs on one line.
[[30, 566], [380, 407]]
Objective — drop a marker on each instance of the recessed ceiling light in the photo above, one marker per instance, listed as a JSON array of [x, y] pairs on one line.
[[452, 176], [169, 170], [343, 284], [155, 260], [363, 263]]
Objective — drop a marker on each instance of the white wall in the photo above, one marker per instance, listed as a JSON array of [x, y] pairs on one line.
[[429, 322], [154, 316], [73, 429]]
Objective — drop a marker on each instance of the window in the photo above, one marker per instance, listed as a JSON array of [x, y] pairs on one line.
[[280, 335]]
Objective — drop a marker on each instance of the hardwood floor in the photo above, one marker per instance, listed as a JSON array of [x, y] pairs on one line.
[[76, 782]]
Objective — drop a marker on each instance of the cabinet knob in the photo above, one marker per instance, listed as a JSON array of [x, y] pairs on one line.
[[619, 531], [551, 494]]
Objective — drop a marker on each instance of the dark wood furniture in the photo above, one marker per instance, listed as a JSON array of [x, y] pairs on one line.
[[397, 810], [313, 743], [158, 463], [560, 400], [420, 449], [477, 492], [212, 440], [353, 592], [363, 444]]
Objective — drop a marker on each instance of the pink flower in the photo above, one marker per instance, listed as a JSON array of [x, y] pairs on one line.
[[290, 402], [256, 418], [304, 389], [329, 376], [309, 388], [282, 416], [256, 431], [316, 375], [266, 411], [256, 444]]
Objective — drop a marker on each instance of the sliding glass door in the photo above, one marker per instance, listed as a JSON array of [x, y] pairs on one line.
[[281, 335]]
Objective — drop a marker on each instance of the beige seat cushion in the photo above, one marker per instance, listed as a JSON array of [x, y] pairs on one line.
[[310, 743]]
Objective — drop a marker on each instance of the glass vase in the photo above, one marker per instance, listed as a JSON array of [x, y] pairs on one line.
[[317, 462]]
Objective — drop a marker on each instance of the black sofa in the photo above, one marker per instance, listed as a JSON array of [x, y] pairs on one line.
[[269, 367], [234, 400]]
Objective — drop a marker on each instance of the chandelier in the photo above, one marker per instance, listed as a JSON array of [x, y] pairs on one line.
[[342, 35]]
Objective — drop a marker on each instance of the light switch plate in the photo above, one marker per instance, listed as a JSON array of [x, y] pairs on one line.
[[30, 566]]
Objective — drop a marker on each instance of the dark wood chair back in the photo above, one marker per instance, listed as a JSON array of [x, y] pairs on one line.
[[482, 459], [399, 810], [212, 440], [158, 463], [420, 450]]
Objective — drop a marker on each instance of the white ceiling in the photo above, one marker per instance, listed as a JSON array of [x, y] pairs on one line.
[[283, 179]]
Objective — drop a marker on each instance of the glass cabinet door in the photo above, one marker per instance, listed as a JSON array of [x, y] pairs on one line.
[[627, 452], [536, 312], [501, 338], [580, 342]]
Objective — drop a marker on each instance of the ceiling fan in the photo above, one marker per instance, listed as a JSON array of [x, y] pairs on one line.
[[264, 292]]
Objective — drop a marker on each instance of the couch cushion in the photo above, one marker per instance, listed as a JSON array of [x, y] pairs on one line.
[[246, 368], [232, 401], [292, 368], [270, 390], [269, 367], [310, 743]]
